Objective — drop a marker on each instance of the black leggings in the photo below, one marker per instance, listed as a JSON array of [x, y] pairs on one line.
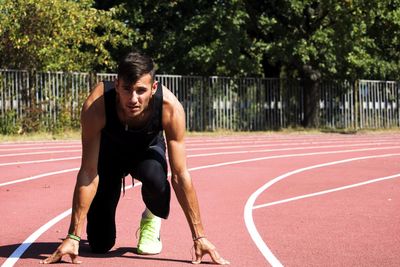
[[150, 169]]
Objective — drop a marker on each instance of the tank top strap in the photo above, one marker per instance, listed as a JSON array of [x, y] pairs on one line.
[[158, 104], [110, 105]]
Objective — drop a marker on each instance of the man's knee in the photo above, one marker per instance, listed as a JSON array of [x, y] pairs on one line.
[[101, 246], [100, 235], [153, 176]]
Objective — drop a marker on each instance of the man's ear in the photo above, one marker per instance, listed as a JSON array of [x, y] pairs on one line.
[[154, 87], [116, 83]]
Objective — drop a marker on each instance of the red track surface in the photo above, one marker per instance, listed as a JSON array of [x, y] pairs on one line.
[[348, 226]]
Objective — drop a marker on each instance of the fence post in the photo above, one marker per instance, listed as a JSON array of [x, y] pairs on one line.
[[398, 103], [357, 107], [92, 80]]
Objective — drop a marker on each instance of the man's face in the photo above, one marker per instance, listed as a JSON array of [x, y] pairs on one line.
[[134, 98]]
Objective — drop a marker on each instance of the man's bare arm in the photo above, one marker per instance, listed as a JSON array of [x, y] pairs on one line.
[[92, 121], [174, 126]]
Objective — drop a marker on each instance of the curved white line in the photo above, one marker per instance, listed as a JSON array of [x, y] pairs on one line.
[[190, 156], [14, 257], [267, 140], [272, 138], [37, 161], [36, 148], [37, 143], [248, 210], [39, 153], [326, 191], [38, 176], [274, 144], [24, 246], [229, 162], [283, 149]]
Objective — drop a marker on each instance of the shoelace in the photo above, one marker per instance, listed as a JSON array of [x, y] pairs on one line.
[[146, 232]]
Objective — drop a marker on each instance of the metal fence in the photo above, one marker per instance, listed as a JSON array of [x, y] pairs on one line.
[[378, 104], [210, 103]]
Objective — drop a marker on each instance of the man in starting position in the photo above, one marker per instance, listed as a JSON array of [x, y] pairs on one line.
[[122, 133]]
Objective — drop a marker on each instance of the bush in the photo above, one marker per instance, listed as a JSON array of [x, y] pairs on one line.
[[8, 123]]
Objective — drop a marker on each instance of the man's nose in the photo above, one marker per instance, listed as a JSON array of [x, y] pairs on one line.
[[134, 96]]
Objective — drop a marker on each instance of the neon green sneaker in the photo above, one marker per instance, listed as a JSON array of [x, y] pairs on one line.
[[149, 239]]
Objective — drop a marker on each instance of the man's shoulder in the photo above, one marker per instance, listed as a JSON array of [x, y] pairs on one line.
[[173, 112], [95, 94], [93, 108], [169, 99]]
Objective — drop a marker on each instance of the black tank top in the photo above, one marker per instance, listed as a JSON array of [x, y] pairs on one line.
[[128, 140]]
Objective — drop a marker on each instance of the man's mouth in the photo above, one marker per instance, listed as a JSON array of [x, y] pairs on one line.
[[133, 108]]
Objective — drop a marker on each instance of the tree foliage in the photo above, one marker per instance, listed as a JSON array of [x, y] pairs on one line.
[[307, 39], [328, 39], [194, 37], [59, 35]]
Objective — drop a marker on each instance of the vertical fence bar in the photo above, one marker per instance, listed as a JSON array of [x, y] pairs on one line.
[[368, 114], [375, 117], [398, 102], [362, 105]]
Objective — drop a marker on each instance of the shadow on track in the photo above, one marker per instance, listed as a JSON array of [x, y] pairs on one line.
[[41, 250]]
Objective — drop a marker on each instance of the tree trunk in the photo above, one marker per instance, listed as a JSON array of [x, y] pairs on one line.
[[311, 103]]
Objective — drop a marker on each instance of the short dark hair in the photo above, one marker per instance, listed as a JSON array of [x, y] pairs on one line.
[[134, 65]]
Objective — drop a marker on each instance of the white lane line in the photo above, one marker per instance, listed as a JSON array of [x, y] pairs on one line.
[[37, 161], [272, 138], [289, 156], [327, 191], [248, 210], [38, 143], [197, 155], [258, 141], [280, 149], [267, 144], [40, 153], [201, 140], [272, 144], [38, 176], [25, 245], [237, 161], [37, 148], [14, 257]]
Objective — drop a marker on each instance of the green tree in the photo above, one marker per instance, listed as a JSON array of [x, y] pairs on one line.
[[214, 39], [314, 40], [59, 35], [193, 37]]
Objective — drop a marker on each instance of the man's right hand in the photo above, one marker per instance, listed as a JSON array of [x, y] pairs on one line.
[[68, 247]]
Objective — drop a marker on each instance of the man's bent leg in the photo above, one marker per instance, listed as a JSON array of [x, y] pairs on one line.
[[101, 228], [156, 193], [156, 190]]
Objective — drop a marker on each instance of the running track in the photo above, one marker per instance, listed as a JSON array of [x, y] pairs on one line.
[[266, 199]]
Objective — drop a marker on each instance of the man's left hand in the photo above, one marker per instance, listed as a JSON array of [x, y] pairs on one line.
[[202, 247]]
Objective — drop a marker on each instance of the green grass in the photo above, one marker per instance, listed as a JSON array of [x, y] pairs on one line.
[[76, 135], [66, 135]]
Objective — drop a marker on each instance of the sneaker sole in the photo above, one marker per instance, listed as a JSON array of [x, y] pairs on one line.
[[147, 252]]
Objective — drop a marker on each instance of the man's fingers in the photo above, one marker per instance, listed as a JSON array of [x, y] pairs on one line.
[[198, 258], [74, 259], [56, 257], [217, 258]]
